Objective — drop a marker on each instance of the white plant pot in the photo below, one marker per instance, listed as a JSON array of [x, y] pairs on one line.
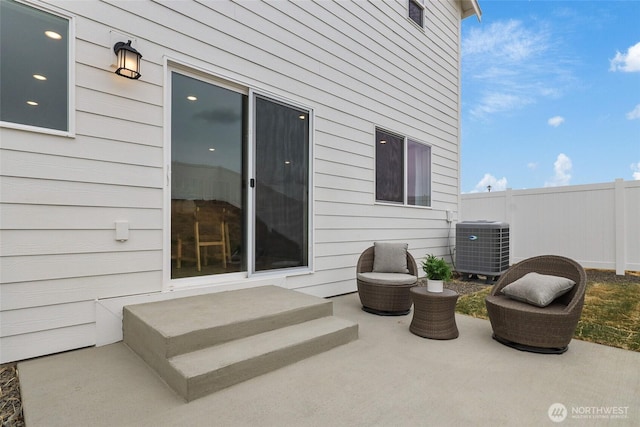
[[434, 285]]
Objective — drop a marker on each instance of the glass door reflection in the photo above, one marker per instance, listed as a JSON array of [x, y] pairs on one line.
[[208, 128]]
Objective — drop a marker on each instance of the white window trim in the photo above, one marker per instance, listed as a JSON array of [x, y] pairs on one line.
[[71, 76], [253, 93], [173, 64]]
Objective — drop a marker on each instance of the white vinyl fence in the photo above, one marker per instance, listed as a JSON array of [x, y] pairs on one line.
[[597, 225]]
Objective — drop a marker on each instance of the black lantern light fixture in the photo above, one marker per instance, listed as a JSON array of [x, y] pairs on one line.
[[128, 62]]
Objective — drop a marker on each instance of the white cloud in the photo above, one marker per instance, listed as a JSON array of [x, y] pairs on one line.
[[634, 114], [555, 121], [562, 167], [635, 167], [628, 62], [488, 179], [508, 40], [498, 102], [532, 166], [512, 64]]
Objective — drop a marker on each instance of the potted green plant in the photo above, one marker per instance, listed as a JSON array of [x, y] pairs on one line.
[[437, 271]]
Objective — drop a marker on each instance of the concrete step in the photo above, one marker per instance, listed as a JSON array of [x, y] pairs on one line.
[[204, 343], [205, 371], [177, 326]]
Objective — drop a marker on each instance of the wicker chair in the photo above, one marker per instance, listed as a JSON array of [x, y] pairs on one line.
[[538, 329], [385, 297]]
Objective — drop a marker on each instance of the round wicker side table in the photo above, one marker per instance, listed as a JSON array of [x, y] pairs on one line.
[[434, 313]]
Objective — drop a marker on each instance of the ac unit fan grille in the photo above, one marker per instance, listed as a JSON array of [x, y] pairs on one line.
[[482, 247]]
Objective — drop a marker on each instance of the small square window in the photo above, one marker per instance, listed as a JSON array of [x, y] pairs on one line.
[[34, 65], [416, 12]]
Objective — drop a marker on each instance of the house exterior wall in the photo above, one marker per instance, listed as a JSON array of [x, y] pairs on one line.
[[357, 64], [598, 225]]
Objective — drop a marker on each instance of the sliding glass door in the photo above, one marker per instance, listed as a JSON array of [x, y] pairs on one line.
[[208, 142], [236, 206], [281, 222]]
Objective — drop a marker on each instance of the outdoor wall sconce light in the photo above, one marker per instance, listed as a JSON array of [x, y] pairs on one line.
[[128, 62]]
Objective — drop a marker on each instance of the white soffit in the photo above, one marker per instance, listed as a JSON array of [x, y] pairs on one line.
[[470, 8]]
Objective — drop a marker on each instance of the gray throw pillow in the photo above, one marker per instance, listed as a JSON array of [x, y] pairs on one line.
[[538, 289], [390, 257]]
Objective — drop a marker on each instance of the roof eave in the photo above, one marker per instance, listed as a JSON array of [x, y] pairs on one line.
[[470, 8]]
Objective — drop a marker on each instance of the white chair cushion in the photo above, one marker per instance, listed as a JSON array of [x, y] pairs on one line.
[[538, 289], [390, 257], [387, 278]]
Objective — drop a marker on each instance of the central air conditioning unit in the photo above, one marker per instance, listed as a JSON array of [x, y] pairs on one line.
[[482, 247]]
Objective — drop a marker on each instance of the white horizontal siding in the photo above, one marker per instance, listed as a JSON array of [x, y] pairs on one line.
[[328, 284], [113, 105], [89, 147], [60, 242], [382, 211], [113, 130], [46, 267], [51, 217], [59, 168], [26, 346], [50, 192], [60, 291], [339, 169], [332, 136], [343, 183], [333, 157], [357, 64], [36, 319]]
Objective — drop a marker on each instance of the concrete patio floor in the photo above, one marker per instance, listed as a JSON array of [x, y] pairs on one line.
[[388, 377]]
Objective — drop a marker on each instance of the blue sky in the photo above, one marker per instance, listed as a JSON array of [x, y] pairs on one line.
[[550, 94]]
